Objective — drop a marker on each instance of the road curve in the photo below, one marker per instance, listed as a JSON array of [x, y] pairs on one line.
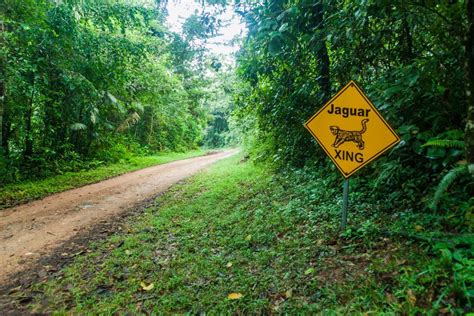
[[34, 229]]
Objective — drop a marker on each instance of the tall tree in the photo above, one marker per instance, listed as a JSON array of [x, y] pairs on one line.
[[469, 131], [2, 83], [322, 50]]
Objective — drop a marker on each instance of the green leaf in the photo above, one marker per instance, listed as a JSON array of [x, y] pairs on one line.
[[436, 152], [309, 271], [447, 255], [283, 27], [112, 98], [275, 46]]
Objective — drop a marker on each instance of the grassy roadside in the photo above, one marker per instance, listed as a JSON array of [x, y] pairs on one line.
[[236, 239], [17, 193]]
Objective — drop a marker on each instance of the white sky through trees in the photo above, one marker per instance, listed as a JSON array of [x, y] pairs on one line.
[[179, 10]]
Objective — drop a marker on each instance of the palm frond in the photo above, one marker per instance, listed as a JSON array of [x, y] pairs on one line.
[[444, 184], [131, 120], [94, 113], [444, 143], [77, 127], [138, 107], [116, 102]]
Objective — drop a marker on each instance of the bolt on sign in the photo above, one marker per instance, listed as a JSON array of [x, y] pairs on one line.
[[351, 130]]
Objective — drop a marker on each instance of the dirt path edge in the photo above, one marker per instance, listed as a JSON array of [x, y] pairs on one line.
[[16, 294], [21, 202]]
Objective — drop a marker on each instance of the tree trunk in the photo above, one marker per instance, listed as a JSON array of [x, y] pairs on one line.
[[2, 106], [5, 129], [322, 53], [28, 137], [150, 133], [28, 128], [469, 131], [2, 92], [407, 40]]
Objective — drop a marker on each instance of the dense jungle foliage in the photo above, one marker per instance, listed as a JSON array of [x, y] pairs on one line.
[[409, 57], [414, 60], [92, 82]]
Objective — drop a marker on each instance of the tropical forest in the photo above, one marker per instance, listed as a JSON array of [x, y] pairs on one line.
[[236, 157]]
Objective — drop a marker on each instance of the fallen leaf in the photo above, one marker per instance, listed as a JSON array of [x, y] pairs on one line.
[[16, 289], [289, 293], [418, 228], [401, 262], [248, 237], [390, 298], [147, 287], [229, 264], [309, 271], [234, 296], [42, 274], [411, 297], [128, 252], [50, 268]]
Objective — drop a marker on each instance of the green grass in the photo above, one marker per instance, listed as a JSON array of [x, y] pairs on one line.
[[16, 193], [237, 228]]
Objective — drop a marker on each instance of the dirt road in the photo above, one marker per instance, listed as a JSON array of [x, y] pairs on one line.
[[32, 230]]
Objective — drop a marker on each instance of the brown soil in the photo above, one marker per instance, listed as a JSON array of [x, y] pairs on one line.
[[41, 229]]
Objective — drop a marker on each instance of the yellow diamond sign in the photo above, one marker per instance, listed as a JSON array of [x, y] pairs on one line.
[[351, 130]]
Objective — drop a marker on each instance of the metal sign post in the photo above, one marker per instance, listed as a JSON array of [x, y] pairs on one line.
[[345, 203]]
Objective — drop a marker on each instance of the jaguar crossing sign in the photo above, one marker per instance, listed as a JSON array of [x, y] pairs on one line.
[[351, 130]]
